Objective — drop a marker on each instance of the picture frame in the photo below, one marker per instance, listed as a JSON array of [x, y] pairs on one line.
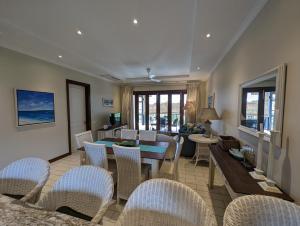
[[211, 101], [34, 107], [107, 102]]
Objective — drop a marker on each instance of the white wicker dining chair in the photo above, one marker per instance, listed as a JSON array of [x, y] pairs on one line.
[[170, 153], [128, 134], [85, 189], [147, 135], [96, 154], [80, 139], [258, 210], [168, 169], [129, 169], [162, 202], [25, 178]]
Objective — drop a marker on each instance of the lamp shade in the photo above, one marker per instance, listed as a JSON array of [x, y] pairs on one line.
[[209, 114]]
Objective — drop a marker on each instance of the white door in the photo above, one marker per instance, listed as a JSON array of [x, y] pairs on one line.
[[77, 111]]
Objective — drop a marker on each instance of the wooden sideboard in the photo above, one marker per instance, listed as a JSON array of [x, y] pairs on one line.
[[237, 178], [110, 132]]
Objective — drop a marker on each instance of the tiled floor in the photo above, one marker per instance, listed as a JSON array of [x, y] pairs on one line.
[[196, 178]]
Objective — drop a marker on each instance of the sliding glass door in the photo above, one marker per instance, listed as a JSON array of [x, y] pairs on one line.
[[152, 112], [159, 110]]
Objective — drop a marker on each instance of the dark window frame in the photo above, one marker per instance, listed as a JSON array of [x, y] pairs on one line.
[[158, 93], [261, 103]]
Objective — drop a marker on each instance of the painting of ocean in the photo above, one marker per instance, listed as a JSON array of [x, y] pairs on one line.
[[34, 107]]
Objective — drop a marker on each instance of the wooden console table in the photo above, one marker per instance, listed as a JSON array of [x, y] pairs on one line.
[[109, 132], [237, 179]]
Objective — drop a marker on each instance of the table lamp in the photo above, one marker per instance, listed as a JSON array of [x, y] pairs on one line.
[[207, 114]]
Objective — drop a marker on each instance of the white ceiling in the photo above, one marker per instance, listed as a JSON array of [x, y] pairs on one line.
[[170, 37]]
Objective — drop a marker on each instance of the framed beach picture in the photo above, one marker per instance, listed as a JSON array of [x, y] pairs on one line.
[[33, 107], [107, 102]]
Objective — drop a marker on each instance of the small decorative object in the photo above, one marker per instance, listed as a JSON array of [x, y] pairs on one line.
[[249, 156], [127, 143], [227, 142], [237, 154], [107, 102], [258, 172], [105, 127], [206, 115], [33, 107]]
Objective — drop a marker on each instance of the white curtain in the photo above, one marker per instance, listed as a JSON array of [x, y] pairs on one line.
[[196, 94], [127, 113]]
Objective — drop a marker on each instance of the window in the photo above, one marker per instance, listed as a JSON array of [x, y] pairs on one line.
[[258, 106], [159, 110]]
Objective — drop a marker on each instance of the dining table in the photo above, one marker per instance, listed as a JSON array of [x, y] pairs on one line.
[[152, 152], [15, 212]]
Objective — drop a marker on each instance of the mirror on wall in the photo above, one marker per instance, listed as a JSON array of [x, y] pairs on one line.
[[262, 102]]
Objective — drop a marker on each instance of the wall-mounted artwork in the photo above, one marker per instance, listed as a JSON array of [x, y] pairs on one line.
[[107, 102], [211, 101], [34, 107]]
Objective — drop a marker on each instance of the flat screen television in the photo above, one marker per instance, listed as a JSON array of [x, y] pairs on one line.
[[33, 107], [115, 119]]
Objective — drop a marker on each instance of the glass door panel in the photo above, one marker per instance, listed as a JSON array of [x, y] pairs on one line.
[[152, 112], [175, 117], [163, 112], [142, 112], [252, 110]]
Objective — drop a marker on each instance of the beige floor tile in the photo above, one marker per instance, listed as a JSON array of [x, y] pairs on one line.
[[195, 177]]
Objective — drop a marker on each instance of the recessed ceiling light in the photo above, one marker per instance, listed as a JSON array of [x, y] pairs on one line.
[[60, 56], [198, 68], [135, 21], [79, 32], [208, 35]]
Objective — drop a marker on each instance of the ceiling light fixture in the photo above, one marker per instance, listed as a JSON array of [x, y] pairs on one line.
[[208, 35], [198, 68], [135, 21], [60, 56], [79, 32]]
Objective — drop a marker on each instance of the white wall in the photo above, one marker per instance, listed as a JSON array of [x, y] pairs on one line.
[[272, 39], [21, 71]]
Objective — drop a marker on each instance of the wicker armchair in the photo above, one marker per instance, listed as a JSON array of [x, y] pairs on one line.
[[169, 170], [258, 210], [25, 179], [147, 135], [129, 170], [162, 202], [128, 134], [87, 190]]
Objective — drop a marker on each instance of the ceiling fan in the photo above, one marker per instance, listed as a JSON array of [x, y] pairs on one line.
[[151, 76], [154, 78]]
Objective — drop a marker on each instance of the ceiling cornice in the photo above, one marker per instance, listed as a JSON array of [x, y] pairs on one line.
[[245, 24], [59, 64]]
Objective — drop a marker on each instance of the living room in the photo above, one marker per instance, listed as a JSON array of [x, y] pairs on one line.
[[203, 91]]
